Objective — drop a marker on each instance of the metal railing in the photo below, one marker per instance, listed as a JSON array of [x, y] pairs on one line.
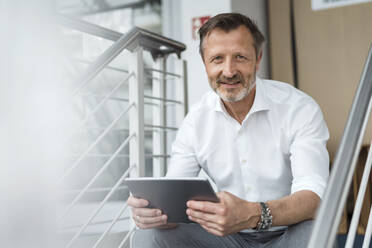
[[135, 134], [329, 215]]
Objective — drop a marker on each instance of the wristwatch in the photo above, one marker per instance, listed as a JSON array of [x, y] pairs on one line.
[[266, 218]]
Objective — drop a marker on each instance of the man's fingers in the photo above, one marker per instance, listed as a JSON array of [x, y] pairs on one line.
[[150, 220], [204, 206], [145, 217], [147, 226], [137, 202], [208, 224], [146, 212], [203, 215]]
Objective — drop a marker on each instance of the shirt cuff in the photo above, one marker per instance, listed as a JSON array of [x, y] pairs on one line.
[[314, 184]]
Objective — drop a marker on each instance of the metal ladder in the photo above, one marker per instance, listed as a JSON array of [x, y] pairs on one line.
[[122, 135]]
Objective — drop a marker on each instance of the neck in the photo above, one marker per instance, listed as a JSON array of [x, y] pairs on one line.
[[239, 110]]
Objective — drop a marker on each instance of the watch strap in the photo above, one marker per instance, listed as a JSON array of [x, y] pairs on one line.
[[266, 218]]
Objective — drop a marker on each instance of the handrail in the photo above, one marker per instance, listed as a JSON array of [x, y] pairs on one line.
[[103, 60], [157, 44], [86, 27], [329, 214]]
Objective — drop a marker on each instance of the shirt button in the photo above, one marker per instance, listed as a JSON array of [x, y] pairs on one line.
[[243, 161]]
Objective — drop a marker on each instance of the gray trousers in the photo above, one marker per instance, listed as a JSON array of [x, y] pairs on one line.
[[193, 235]]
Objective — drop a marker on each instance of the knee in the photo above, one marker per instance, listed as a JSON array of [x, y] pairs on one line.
[[142, 238], [151, 238], [296, 236]]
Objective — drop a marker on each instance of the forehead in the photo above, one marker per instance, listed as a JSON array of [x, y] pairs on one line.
[[239, 38]]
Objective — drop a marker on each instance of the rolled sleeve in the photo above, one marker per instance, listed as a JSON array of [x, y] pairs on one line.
[[308, 153]]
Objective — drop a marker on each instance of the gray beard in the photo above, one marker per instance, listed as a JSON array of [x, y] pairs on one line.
[[243, 93]]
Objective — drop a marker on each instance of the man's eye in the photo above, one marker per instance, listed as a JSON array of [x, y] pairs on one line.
[[217, 59], [240, 57]]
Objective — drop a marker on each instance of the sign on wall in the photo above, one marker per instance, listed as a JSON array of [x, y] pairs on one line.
[[326, 4], [197, 22]]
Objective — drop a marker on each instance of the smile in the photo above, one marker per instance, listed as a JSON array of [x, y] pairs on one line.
[[230, 85]]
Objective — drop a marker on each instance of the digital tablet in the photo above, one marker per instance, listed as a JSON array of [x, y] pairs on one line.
[[171, 194]]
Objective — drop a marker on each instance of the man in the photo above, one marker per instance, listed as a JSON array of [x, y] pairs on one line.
[[262, 142]]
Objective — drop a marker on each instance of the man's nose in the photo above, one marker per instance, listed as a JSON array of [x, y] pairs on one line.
[[229, 69]]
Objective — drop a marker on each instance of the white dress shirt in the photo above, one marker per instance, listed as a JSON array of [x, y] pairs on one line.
[[279, 148]]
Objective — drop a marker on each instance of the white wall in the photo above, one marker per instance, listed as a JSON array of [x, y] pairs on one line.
[[177, 24]]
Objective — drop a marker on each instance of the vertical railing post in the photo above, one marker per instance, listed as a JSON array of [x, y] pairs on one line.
[[359, 201], [136, 114], [159, 118], [181, 90], [368, 233]]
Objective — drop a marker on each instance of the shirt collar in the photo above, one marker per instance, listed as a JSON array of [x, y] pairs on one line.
[[260, 103]]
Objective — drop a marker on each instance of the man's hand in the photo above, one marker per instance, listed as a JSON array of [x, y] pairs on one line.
[[146, 217], [230, 215]]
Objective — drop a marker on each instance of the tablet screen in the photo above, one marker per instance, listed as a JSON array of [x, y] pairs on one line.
[[171, 194]]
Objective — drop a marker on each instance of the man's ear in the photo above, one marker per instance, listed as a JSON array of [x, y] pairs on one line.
[[259, 57]]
